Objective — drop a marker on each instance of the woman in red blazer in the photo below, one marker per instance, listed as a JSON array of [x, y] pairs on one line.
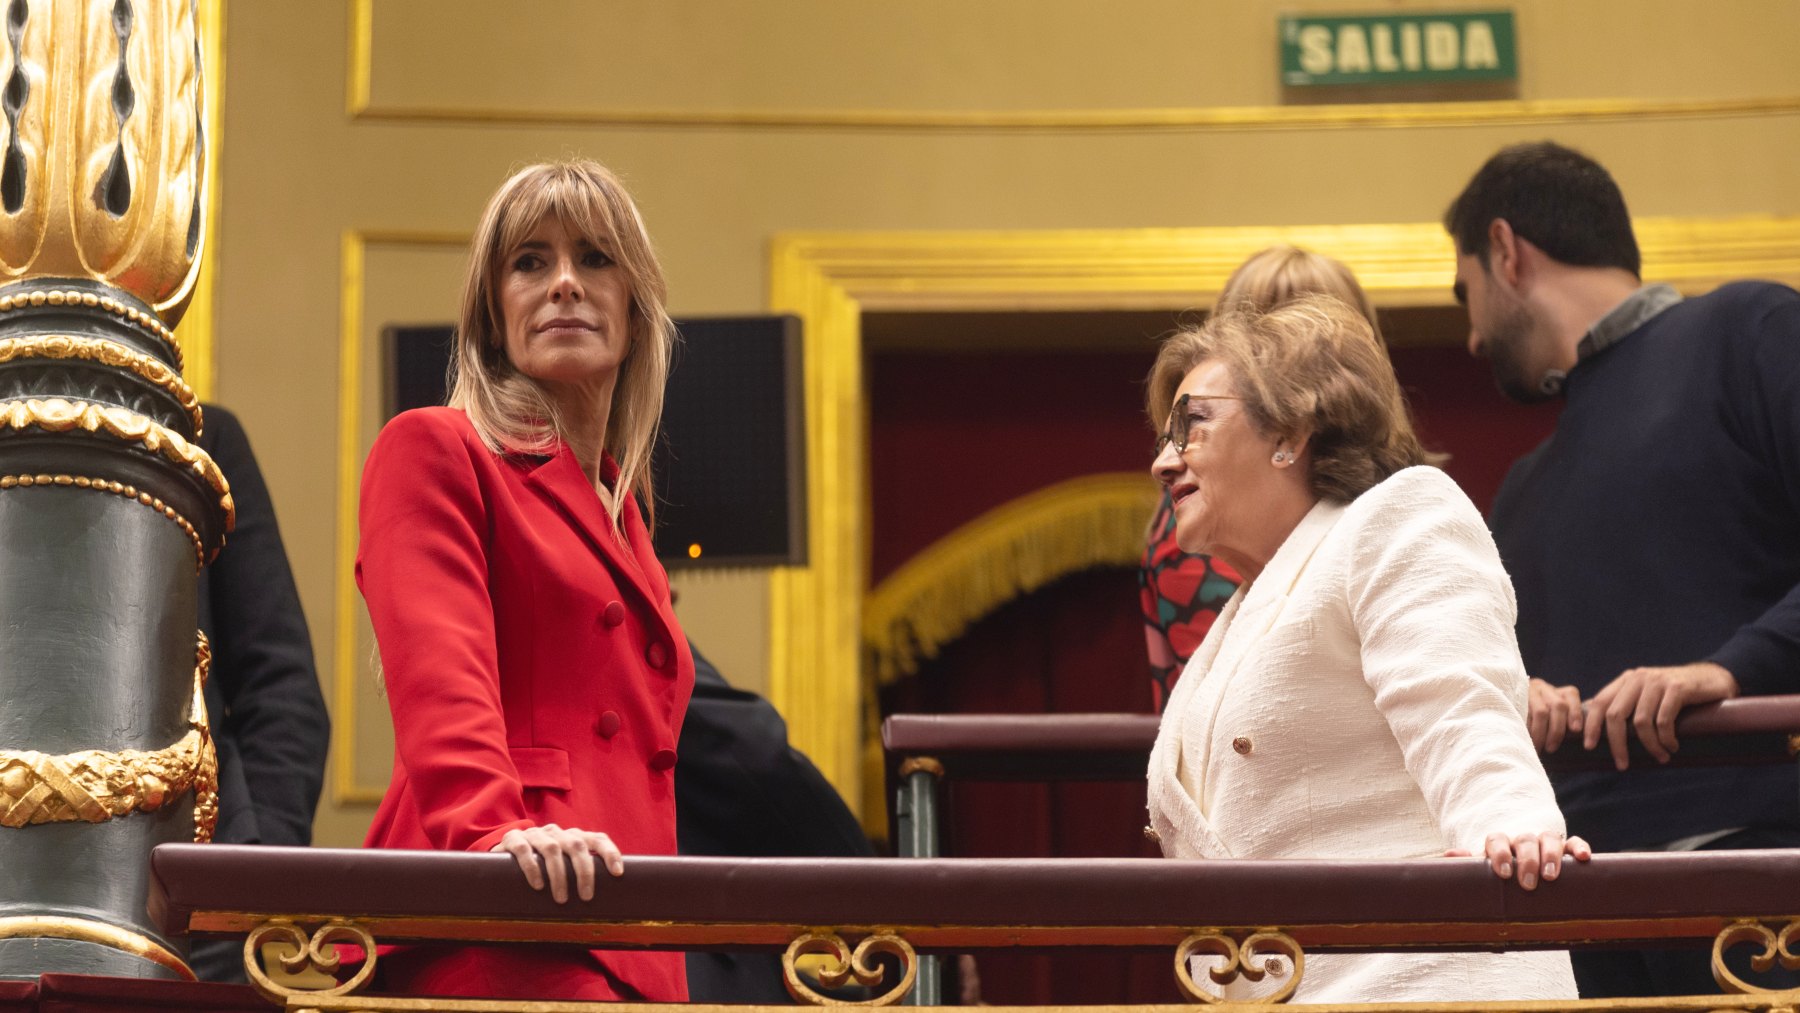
[[530, 653]]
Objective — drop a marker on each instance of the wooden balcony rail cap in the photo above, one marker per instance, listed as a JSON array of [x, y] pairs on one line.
[[1027, 746], [973, 903], [1748, 730]]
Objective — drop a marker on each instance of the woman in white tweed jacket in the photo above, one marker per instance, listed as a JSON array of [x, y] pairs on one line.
[[1361, 696]]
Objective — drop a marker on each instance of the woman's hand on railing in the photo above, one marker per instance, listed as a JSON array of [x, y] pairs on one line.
[[541, 853], [1531, 855]]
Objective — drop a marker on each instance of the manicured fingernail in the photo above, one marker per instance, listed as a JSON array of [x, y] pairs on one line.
[[1527, 880], [1549, 872], [1505, 869]]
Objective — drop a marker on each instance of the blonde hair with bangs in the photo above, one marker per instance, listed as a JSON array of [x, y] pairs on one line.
[[512, 411]]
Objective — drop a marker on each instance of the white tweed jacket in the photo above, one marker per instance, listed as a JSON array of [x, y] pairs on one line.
[[1364, 698]]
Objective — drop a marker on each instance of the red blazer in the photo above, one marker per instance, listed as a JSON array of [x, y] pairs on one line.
[[535, 672]]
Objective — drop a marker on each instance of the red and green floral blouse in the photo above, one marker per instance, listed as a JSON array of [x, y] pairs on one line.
[[1182, 594]]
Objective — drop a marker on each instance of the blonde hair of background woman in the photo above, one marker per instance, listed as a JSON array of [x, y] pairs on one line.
[[1284, 273], [511, 411]]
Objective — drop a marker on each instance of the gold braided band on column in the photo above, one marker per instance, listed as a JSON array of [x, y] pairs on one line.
[[148, 321], [88, 931], [106, 353], [95, 786], [59, 415]]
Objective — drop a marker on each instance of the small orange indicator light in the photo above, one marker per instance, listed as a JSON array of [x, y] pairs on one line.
[[694, 551]]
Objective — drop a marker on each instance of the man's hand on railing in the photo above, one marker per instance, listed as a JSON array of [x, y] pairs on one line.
[[1553, 712], [1649, 699], [1644, 700], [540, 852]]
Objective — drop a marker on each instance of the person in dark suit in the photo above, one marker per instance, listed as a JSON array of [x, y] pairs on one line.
[[741, 790], [532, 660], [268, 717]]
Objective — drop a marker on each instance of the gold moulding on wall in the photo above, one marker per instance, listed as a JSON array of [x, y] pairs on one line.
[[360, 104], [1392, 115], [351, 785], [95, 785]]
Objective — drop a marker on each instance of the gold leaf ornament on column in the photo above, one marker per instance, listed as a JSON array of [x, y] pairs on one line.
[[24, 137], [124, 206], [97, 785]]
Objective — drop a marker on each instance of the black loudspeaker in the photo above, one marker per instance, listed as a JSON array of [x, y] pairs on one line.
[[731, 462]]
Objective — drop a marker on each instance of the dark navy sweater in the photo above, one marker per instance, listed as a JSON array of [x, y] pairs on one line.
[[1660, 525]]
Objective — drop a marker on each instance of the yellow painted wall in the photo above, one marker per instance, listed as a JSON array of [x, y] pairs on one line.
[[390, 121]]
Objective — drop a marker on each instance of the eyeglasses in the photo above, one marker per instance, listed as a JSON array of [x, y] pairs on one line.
[[1183, 426]]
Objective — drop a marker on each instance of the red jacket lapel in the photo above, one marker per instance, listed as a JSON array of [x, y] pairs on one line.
[[562, 479]]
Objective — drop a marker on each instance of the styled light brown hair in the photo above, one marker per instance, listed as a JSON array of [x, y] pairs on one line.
[[1311, 367], [512, 411], [1284, 273]]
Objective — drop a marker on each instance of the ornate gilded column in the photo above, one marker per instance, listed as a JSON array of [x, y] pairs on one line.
[[107, 507]]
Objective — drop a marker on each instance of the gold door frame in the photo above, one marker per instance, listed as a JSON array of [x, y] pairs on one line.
[[830, 279]]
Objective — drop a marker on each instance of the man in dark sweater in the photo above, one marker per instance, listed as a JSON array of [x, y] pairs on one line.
[[1654, 538]]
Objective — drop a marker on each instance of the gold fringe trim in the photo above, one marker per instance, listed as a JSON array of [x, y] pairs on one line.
[[1097, 520]]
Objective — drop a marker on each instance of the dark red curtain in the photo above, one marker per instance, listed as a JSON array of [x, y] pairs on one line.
[[953, 436]]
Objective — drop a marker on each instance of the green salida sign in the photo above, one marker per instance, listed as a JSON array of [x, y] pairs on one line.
[[1412, 48]]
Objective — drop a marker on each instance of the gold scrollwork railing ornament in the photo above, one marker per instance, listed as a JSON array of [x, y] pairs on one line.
[[96, 785], [1776, 946], [845, 964], [1254, 958], [301, 953]]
